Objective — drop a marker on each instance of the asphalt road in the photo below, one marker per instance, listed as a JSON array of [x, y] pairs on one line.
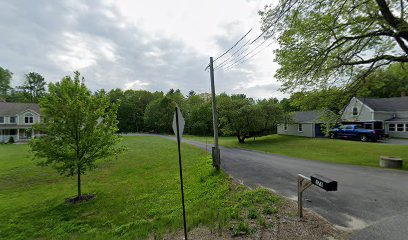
[[372, 202]]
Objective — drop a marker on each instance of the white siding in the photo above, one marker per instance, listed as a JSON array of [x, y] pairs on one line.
[[308, 130], [364, 113]]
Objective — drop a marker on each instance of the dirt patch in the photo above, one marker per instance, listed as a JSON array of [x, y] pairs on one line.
[[83, 198], [283, 225]]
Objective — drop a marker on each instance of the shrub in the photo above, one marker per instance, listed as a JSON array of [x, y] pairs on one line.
[[11, 140]]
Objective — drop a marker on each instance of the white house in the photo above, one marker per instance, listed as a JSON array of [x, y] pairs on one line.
[[305, 124], [389, 114], [17, 120]]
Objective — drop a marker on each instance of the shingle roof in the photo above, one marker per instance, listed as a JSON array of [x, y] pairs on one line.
[[386, 104], [307, 116], [11, 109]]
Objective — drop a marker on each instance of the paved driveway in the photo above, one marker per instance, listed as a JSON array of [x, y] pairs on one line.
[[372, 201], [396, 141]]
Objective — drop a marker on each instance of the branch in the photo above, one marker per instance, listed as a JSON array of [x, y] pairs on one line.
[[397, 23], [376, 59], [402, 44]]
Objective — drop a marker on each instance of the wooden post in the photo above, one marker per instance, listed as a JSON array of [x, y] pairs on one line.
[[215, 150]]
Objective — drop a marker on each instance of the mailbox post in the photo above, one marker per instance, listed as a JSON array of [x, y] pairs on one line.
[[305, 182]]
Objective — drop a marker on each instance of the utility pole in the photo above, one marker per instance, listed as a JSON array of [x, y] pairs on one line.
[[215, 149]]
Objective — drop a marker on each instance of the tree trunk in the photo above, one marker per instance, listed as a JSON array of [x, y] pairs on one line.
[[79, 183], [240, 140]]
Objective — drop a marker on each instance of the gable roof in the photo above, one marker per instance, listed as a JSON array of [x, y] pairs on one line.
[[394, 104], [307, 116], [11, 109]]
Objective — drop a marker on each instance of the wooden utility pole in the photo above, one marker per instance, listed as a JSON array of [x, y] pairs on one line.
[[215, 149]]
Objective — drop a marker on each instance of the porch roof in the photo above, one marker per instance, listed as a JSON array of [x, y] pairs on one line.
[[14, 126]]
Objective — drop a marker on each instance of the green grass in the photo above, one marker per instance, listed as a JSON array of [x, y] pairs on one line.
[[137, 195], [326, 150]]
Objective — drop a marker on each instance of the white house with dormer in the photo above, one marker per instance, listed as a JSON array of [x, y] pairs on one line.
[[389, 114], [17, 120]]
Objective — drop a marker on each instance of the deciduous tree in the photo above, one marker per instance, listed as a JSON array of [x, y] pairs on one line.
[[80, 128], [34, 86], [5, 78], [324, 43]]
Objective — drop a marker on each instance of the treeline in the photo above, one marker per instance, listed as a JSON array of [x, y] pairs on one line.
[[391, 81], [32, 89], [240, 116]]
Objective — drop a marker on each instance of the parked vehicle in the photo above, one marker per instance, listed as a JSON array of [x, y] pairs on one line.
[[356, 132]]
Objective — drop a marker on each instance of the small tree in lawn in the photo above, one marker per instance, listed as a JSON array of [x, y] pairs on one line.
[[79, 129]]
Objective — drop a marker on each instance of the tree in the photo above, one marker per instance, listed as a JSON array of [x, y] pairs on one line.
[[332, 98], [273, 114], [159, 115], [5, 78], [80, 129], [239, 116], [324, 43], [386, 83], [34, 86]]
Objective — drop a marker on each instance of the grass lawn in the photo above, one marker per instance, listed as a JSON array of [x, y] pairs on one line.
[[327, 150], [137, 196]]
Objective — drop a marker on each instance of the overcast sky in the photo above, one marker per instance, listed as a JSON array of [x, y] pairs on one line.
[[143, 44]]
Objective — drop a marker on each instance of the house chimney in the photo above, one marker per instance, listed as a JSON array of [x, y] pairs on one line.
[[403, 94]]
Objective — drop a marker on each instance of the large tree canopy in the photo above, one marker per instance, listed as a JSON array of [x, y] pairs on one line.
[[328, 42]]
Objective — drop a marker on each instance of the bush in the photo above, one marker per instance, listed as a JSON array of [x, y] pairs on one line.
[[11, 140]]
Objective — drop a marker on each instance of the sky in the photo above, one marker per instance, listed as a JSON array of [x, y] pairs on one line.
[[154, 45]]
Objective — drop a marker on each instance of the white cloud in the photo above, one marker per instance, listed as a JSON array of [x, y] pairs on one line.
[[154, 45], [136, 85]]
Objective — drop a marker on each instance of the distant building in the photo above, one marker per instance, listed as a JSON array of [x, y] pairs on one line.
[[389, 114], [305, 124], [17, 120]]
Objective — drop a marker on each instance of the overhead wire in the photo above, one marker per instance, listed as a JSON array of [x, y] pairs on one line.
[[233, 45], [241, 60], [226, 61], [217, 58], [244, 60]]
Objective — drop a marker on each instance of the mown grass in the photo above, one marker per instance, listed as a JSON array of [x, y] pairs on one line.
[[321, 149], [137, 195]]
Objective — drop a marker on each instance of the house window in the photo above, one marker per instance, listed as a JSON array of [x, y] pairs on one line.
[[29, 118], [400, 127], [300, 127], [12, 119], [355, 111], [391, 127], [1, 119], [285, 127], [406, 127]]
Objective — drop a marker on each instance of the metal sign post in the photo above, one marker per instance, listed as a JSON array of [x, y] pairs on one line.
[[305, 182], [178, 127]]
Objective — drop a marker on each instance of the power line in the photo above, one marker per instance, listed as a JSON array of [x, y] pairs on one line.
[[259, 45], [262, 33], [233, 45], [243, 61], [206, 68], [226, 61]]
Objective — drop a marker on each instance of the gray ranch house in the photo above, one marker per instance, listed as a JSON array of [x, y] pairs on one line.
[[305, 124], [17, 120], [389, 114]]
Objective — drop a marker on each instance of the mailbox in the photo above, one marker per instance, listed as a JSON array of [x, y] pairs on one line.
[[325, 183]]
